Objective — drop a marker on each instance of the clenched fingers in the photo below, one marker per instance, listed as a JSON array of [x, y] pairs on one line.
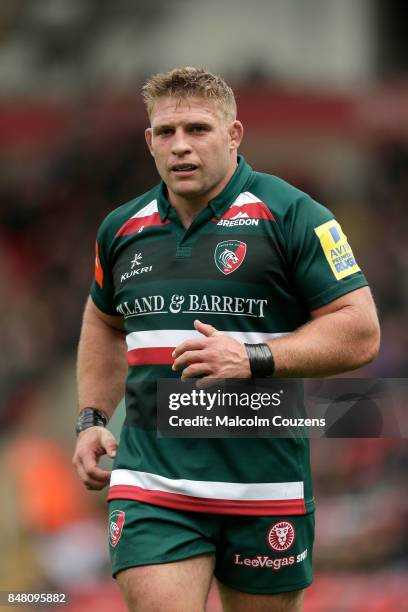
[[94, 478], [92, 443]]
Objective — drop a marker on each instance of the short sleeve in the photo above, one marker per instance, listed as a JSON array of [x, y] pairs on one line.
[[320, 257], [102, 289]]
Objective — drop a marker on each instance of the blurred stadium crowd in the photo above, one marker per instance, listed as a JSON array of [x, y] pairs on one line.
[[51, 207], [53, 202], [56, 185]]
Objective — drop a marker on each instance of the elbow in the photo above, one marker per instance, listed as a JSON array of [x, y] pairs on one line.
[[371, 344]]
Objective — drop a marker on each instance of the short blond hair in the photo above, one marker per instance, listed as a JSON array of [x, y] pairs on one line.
[[185, 82]]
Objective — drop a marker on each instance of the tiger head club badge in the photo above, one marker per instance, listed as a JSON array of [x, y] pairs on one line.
[[281, 536], [116, 522], [229, 255]]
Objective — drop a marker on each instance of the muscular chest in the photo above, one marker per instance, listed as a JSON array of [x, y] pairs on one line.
[[220, 273]]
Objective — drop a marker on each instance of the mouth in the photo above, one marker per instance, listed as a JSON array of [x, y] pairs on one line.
[[183, 169]]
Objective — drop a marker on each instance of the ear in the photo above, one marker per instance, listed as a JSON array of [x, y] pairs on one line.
[[149, 139], [236, 133]]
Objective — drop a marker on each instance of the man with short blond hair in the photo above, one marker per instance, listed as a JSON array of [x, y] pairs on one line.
[[218, 272], [183, 83]]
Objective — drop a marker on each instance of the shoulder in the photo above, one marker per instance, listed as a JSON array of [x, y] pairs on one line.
[[282, 198], [290, 207], [117, 218]]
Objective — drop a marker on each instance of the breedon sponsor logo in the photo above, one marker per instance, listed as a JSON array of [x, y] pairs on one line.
[[239, 219]]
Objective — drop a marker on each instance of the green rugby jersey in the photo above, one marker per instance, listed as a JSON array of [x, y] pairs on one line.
[[253, 263]]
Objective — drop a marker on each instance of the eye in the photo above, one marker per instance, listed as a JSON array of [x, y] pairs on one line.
[[164, 131], [199, 129]]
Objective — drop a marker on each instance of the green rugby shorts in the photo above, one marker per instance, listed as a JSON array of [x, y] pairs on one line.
[[266, 554]]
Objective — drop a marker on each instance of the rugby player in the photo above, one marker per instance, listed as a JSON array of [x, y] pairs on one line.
[[217, 272]]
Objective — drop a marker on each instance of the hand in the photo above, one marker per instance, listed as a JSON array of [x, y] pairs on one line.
[[92, 443], [212, 355]]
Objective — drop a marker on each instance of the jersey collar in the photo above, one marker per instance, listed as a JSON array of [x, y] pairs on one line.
[[222, 201]]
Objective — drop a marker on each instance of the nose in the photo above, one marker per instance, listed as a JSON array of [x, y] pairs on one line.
[[180, 144]]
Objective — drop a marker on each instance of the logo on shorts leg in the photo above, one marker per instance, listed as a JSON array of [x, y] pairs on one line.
[[116, 522], [281, 536]]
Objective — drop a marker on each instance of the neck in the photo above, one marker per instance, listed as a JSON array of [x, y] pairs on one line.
[[188, 208]]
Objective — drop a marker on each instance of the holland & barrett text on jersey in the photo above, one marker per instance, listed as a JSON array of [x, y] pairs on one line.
[[191, 303]]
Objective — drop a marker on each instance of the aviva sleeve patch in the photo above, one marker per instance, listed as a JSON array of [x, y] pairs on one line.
[[336, 249]]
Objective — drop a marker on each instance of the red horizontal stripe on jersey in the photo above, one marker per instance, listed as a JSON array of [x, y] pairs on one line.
[[135, 224], [201, 504], [151, 356]]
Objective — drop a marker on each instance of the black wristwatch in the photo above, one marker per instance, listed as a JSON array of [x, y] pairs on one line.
[[90, 417]]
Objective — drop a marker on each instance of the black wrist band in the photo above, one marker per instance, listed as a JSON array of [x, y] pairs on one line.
[[90, 417], [261, 359]]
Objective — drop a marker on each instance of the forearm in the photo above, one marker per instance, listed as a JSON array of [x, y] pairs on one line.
[[334, 343], [101, 365]]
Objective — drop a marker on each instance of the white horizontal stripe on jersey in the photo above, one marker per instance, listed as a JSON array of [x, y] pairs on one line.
[[147, 210], [260, 491], [172, 337]]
